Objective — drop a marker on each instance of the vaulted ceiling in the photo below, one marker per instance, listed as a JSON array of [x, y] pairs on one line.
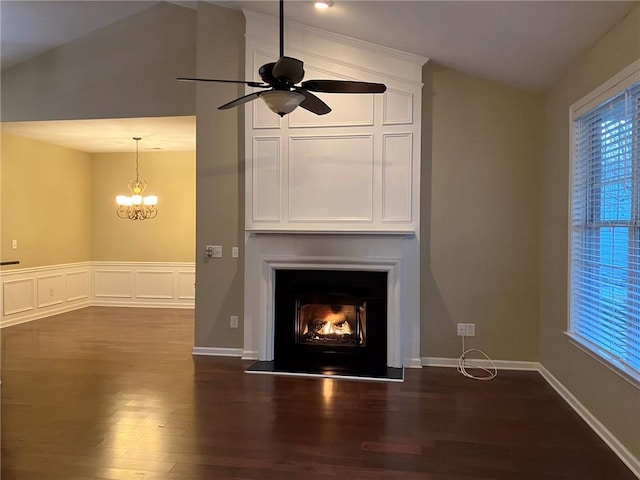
[[520, 43]]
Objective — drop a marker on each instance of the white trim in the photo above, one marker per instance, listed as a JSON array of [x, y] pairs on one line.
[[603, 93], [390, 265], [616, 84], [500, 364], [607, 437], [139, 304], [217, 351], [412, 363], [38, 314], [249, 355], [604, 358]]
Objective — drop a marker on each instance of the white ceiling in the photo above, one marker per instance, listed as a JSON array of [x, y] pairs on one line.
[[521, 43], [175, 134]]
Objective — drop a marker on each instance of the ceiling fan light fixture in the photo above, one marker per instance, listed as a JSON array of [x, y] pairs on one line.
[[322, 4], [282, 102]]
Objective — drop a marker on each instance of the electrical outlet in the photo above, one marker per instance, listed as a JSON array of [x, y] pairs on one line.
[[234, 252], [470, 330], [462, 329], [234, 321]]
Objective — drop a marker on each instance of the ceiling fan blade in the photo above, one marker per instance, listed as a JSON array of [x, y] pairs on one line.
[[240, 101], [343, 86], [251, 84], [288, 69], [313, 103]]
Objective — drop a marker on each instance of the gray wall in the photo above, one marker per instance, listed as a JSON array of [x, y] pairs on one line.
[[611, 399], [219, 178], [126, 69], [482, 145]]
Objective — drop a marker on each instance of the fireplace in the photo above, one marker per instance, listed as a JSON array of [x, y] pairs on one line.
[[330, 320]]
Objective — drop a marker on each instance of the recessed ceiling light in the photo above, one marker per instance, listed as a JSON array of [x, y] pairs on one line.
[[323, 4]]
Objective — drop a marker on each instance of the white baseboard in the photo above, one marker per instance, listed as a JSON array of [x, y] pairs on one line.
[[412, 363], [607, 437], [140, 304], [481, 362], [218, 352], [37, 315], [249, 355]]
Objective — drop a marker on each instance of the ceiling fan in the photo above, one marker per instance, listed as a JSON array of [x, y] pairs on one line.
[[280, 80]]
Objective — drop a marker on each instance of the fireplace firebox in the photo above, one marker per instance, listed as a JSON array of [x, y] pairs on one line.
[[330, 320]]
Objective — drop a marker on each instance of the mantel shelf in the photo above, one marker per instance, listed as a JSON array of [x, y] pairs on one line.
[[285, 231]]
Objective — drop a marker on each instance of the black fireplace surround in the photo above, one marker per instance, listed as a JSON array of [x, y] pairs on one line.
[[330, 321]]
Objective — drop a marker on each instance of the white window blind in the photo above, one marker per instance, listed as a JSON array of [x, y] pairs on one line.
[[605, 230]]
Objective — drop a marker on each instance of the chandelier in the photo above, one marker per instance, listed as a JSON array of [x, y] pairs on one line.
[[136, 206]]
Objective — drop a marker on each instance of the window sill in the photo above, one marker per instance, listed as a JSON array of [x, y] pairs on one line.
[[605, 359]]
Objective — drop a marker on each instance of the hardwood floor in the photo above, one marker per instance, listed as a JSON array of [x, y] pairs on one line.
[[114, 393]]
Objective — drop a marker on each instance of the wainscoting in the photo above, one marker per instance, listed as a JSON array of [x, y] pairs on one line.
[[32, 293]]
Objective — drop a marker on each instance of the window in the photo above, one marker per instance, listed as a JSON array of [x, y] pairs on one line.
[[605, 223]]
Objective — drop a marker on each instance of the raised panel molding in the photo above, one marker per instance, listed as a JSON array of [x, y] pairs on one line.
[[112, 283], [38, 292], [186, 285], [154, 284], [397, 108], [331, 178], [162, 284], [18, 295], [51, 290], [322, 183], [78, 285], [397, 177], [27, 293], [267, 175]]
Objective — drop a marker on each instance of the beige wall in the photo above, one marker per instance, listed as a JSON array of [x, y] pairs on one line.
[[126, 69], [480, 187], [46, 207], [611, 399], [59, 204], [170, 237], [220, 178]]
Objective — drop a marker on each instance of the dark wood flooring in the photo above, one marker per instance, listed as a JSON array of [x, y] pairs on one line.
[[114, 393]]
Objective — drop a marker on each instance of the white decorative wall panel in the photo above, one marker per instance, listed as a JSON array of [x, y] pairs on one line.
[[38, 292], [331, 178], [78, 285], [51, 290], [346, 110], [154, 284], [327, 184], [398, 108], [266, 178], [186, 285], [112, 283], [397, 177], [162, 284], [18, 295]]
